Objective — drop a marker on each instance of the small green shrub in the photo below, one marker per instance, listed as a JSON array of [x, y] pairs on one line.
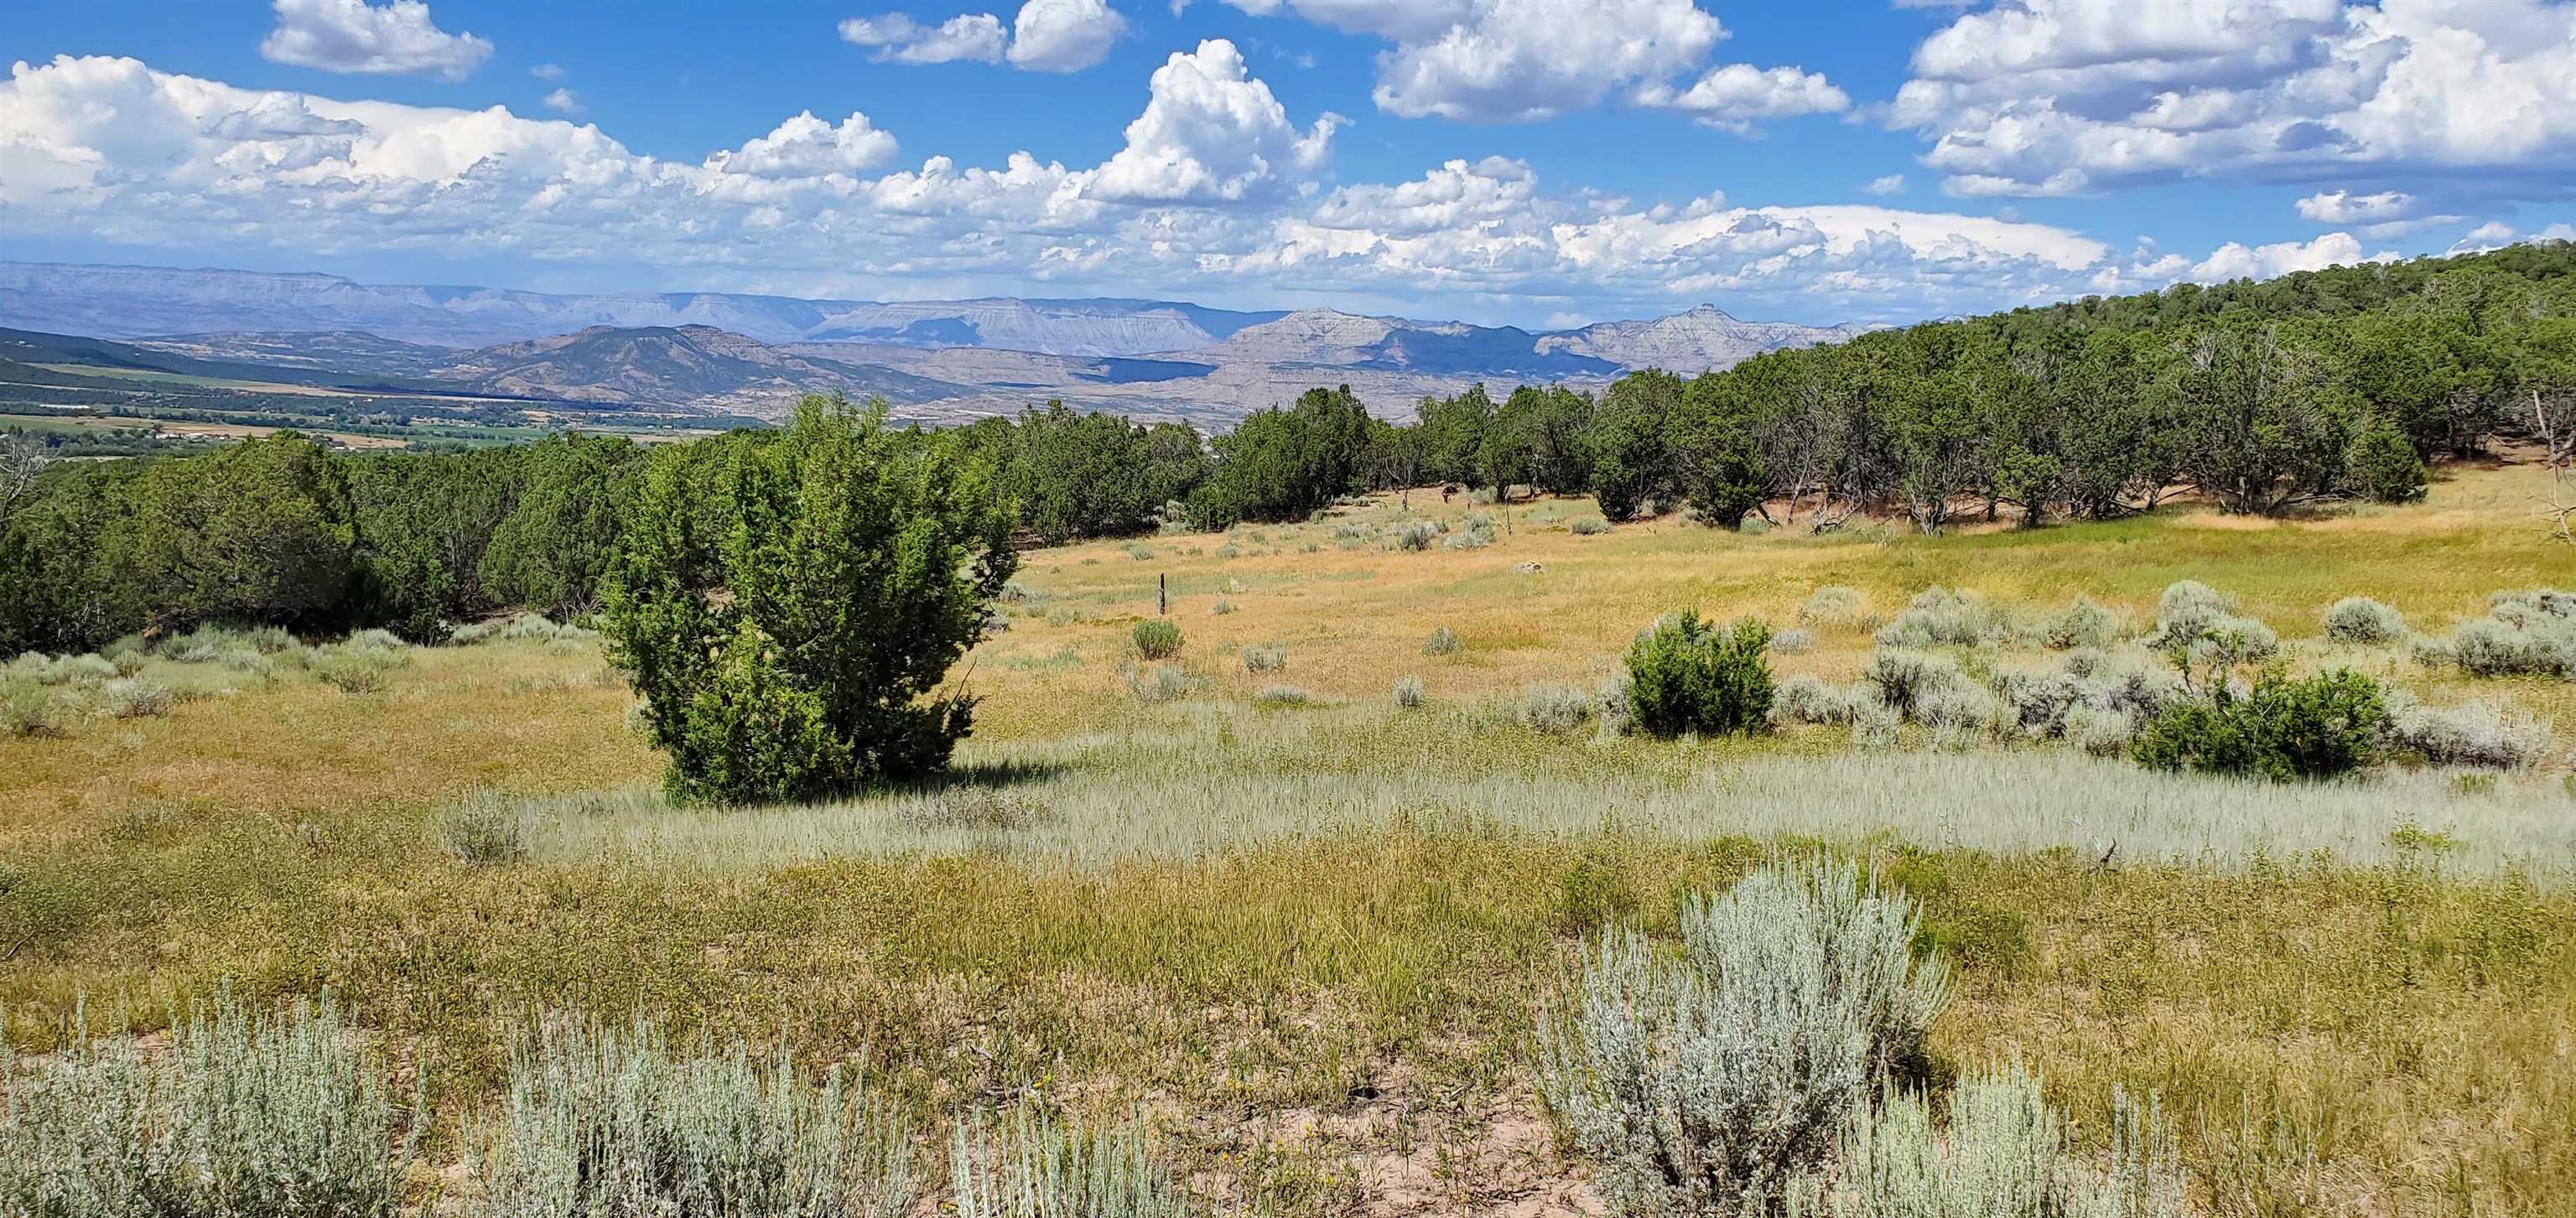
[[1443, 642], [1156, 638], [1221, 607], [2382, 466], [1280, 695], [1687, 676], [2361, 620], [1589, 527], [354, 670], [1267, 657], [2287, 728]]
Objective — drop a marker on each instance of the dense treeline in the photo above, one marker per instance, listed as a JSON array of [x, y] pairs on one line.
[[285, 531], [2260, 396]]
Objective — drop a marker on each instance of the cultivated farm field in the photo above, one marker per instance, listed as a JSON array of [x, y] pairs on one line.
[[1294, 901]]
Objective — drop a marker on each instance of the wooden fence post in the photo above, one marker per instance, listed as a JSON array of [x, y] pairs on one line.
[[1162, 594]]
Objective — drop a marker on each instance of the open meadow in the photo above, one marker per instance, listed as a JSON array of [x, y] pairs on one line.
[[1292, 900]]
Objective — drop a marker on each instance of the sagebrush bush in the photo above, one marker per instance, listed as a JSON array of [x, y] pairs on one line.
[[1938, 617], [1833, 605], [1408, 692], [278, 1116], [135, 698], [603, 1121], [1443, 642], [1793, 642], [1221, 607], [2524, 633], [1469, 540], [1030, 1166], [1902, 680], [1280, 695], [481, 827], [2287, 728], [1265, 657], [2476, 734], [1710, 1084], [1807, 698], [1686, 675], [1417, 535], [28, 708], [356, 670], [1555, 709], [1156, 638], [2084, 624], [2361, 620], [1589, 527], [1160, 682], [2003, 1154], [2198, 629]]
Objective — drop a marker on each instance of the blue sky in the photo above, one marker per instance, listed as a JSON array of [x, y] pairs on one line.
[[1536, 162]]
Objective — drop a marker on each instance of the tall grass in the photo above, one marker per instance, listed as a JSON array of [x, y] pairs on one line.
[[1028, 1165]]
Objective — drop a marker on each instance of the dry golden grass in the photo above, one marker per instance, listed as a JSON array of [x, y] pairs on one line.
[[1331, 1021]]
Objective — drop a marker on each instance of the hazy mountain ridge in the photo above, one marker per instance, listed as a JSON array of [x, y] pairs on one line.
[[125, 302], [938, 361]]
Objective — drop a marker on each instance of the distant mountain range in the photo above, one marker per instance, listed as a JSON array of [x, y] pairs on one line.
[[940, 361]]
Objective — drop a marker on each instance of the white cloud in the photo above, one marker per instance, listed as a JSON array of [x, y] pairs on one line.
[[353, 36], [808, 147], [2345, 207], [900, 39], [1212, 133], [1524, 60], [547, 71], [2053, 97], [1888, 184], [2235, 261], [1216, 194], [1064, 35], [1049, 36], [1732, 97], [562, 101]]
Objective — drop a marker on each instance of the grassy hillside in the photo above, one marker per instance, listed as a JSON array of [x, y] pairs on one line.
[[1302, 936]]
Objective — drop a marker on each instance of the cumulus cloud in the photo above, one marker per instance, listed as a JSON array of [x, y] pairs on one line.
[[1888, 184], [563, 101], [808, 147], [352, 36], [2235, 261], [2054, 97], [900, 39], [1731, 98], [1523, 60], [1049, 36], [1212, 133], [1217, 193], [1064, 35], [547, 71]]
